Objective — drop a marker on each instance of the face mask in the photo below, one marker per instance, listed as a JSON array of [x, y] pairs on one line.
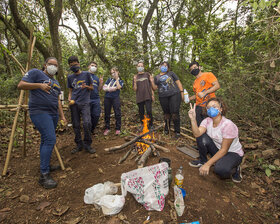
[[75, 68], [163, 69], [51, 69], [113, 75], [212, 112], [140, 69], [195, 71], [92, 69]]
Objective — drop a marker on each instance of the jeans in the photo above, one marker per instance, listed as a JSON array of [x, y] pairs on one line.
[[116, 103], [171, 109], [225, 166], [141, 107], [95, 111], [46, 125], [78, 111], [200, 116]]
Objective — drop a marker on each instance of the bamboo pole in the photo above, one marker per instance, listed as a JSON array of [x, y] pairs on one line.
[[59, 158]]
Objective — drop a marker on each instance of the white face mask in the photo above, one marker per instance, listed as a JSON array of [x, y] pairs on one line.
[[140, 69], [51, 69], [92, 69]]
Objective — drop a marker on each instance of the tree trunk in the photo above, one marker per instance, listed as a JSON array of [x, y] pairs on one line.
[[21, 26], [145, 30], [54, 18]]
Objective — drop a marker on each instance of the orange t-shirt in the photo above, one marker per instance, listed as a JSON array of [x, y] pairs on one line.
[[201, 84]]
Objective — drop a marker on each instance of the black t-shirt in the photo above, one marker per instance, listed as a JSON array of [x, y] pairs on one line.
[[166, 84]]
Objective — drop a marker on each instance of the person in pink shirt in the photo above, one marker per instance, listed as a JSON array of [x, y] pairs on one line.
[[217, 136]]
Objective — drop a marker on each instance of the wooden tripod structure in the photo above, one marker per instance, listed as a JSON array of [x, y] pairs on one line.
[[20, 106]]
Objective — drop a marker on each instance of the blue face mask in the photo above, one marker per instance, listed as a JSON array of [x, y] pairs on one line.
[[212, 112], [163, 69]]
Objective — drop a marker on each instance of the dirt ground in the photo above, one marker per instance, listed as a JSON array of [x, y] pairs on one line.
[[208, 199]]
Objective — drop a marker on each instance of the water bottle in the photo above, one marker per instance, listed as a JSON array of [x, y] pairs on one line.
[[186, 96], [179, 177]]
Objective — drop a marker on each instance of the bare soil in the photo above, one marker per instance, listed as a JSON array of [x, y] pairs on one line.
[[208, 199]]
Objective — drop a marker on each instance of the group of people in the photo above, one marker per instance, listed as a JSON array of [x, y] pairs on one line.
[[215, 134]]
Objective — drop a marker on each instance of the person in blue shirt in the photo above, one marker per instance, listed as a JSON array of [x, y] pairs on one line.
[[95, 108], [80, 86], [44, 109], [112, 98]]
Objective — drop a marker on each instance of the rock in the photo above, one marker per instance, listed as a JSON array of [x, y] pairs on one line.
[[60, 210], [269, 153], [43, 205], [24, 198], [277, 162]]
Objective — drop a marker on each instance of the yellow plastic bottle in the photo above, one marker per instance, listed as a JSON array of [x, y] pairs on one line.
[[179, 177]]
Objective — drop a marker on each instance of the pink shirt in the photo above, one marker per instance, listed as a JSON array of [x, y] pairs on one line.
[[225, 129]]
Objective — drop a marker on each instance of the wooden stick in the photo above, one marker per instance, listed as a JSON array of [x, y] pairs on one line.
[[144, 157], [115, 148], [187, 136], [137, 157], [156, 140], [59, 158], [185, 129], [155, 152], [122, 159], [155, 145]]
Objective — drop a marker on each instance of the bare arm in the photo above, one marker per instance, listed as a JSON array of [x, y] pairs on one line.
[[179, 84], [152, 80], [215, 87], [100, 83], [70, 94], [134, 83], [193, 97], [60, 111], [197, 131]]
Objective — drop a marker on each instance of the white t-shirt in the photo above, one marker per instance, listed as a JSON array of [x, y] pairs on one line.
[[225, 129]]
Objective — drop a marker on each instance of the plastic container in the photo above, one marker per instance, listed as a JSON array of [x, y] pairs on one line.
[[183, 192], [186, 96], [169, 169], [179, 177]]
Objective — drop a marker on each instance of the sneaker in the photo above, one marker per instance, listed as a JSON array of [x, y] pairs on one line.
[[46, 181], [118, 132], [90, 150], [237, 177], [77, 149], [106, 132], [196, 163]]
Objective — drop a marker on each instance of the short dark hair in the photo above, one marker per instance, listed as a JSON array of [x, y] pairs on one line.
[[73, 59], [165, 62], [221, 102], [194, 63], [92, 62]]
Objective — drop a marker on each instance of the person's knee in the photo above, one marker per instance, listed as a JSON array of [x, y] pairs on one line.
[[203, 140], [50, 139], [221, 171]]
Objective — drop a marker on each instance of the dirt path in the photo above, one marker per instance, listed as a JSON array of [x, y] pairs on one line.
[[208, 199]]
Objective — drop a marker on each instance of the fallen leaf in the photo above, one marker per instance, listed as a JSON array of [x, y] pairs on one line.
[[226, 199], [1, 190], [244, 193], [254, 185], [43, 205], [277, 181], [122, 217], [5, 210], [100, 170], [24, 198], [68, 169], [75, 221], [114, 220], [268, 180], [277, 162], [64, 176], [60, 211]]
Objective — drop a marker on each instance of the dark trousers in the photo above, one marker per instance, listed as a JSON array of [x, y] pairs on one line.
[[108, 103], [141, 107], [171, 109], [79, 111], [46, 125], [95, 111], [200, 116], [225, 166]]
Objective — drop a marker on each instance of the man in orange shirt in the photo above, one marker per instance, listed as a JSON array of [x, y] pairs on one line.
[[204, 87]]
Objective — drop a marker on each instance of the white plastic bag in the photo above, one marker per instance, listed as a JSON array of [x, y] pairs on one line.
[[110, 188], [179, 201], [148, 185], [112, 204]]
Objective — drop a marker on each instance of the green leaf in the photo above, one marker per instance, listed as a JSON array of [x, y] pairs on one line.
[[272, 167], [268, 172]]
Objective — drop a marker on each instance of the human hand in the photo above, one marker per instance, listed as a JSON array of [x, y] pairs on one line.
[[204, 170], [153, 98], [84, 85], [46, 87], [191, 112], [201, 94], [101, 80], [63, 121], [152, 78]]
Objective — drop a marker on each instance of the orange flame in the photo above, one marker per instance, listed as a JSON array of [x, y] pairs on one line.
[[142, 147]]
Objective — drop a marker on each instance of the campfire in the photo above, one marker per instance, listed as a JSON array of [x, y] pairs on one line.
[[142, 146]]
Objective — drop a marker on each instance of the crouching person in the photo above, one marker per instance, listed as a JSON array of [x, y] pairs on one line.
[[44, 107], [217, 136]]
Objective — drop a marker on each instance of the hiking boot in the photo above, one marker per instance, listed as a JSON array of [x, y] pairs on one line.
[[196, 163], [118, 132], [106, 132], [46, 181], [90, 150], [77, 149], [54, 167], [237, 177]]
